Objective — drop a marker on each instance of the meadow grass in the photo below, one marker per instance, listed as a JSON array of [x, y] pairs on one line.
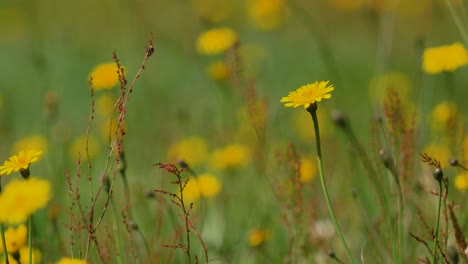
[[161, 159]]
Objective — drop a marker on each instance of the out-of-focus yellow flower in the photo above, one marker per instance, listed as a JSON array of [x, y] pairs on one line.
[[78, 148], [191, 191], [308, 94], [213, 11], [13, 24], [105, 104], [440, 152], [231, 156], [442, 115], [461, 182], [258, 236], [307, 169], [446, 58], [216, 41], [11, 259], [31, 142], [20, 162], [15, 238], [209, 185], [395, 81], [301, 122], [24, 256], [71, 261], [267, 14], [218, 70], [191, 150], [22, 198], [105, 76]]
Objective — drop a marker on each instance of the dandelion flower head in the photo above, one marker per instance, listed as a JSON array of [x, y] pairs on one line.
[[267, 14], [22, 198], [191, 191], [24, 255], [105, 76], [15, 238], [191, 150], [307, 169], [105, 104], [208, 184], [71, 261], [309, 94], [258, 236], [461, 182], [218, 70], [216, 41], [231, 156], [442, 115], [446, 58], [21, 161], [438, 151]]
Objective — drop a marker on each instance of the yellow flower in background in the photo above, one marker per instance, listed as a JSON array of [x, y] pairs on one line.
[[31, 142], [105, 76], [258, 236], [71, 261], [22, 198], [24, 256], [213, 11], [109, 128], [105, 104], [461, 181], [218, 70], [20, 161], [231, 156], [209, 185], [267, 14], [216, 41], [398, 82], [440, 152], [191, 191], [191, 150], [78, 147], [307, 169], [308, 94], [442, 115], [11, 259], [301, 123], [446, 58], [15, 239]]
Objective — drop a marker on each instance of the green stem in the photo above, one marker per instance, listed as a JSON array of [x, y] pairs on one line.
[[312, 110], [30, 238], [434, 256]]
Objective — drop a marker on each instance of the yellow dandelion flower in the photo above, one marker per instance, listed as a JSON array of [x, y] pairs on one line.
[[307, 169], [11, 259], [461, 182], [231, 156], [308, 94], [442, 115], [24, 255], [209, 185], [191, 150], [105, 76], [15, 238], [20, 161], [258, 236], [22, 198], [105, 104], [78, 147], [71, 261], [218, 70], [446, 58], [267, 14], [191, 191], [216, 41], [31, 142], [440, 152]]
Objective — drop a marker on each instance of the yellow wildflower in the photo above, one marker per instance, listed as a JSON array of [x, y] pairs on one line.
[[443, 114], [15, 238], [78, 147], [105, 104], [105, 76], [21, 198], [439, 152], [461, 181], [191, 150], [20, 161], [308, 94], [307, 169], [258, 236], [71, 261], [31, 142], [216, 41], [191, 191], [267, 14], [208, 185], [11, 259], [444, 58], [218, 71], [300, 121], [231, 156], [24, 256]]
